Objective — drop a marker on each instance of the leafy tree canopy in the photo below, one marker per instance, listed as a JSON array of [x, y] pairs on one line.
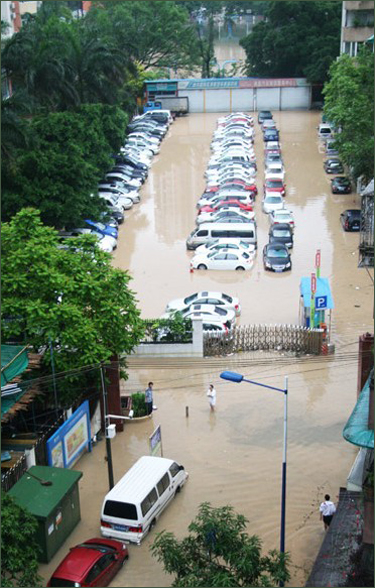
[[349, 105], [298, 39], [19, 551], [69, 153], [154, 34], [71, 296], [219, 552]]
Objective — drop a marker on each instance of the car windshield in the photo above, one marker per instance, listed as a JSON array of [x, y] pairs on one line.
[[189, 299], [274, 183], [98, 235], [272, 200], [281, 233], [275, 252]]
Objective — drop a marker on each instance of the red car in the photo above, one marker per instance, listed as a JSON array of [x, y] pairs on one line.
[[230, 202], [92, 563], [274, 185], [233, 183]]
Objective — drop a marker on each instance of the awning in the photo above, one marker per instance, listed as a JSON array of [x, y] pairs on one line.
[[356, 430], [322, 290], [14, 361]]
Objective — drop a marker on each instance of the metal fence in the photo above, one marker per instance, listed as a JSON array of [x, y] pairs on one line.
[[263, 337]]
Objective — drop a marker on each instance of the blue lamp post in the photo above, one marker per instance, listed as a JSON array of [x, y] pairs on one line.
[[234, 377]]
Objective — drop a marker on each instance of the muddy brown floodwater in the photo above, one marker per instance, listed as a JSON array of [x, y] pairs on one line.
[[234, 455]]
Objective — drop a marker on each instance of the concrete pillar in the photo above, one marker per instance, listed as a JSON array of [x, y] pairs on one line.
[[112, 374]]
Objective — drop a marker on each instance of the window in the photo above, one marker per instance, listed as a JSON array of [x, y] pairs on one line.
[[174, 469], [227, 298], [93, 573], [121, 510], [163, 484], [149, 501], [202, 233], [231, 256]]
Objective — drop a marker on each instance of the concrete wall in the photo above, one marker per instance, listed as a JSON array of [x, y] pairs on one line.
[[248, 99], [194, 349]]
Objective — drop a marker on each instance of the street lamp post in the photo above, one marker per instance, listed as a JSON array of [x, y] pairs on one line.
[[234, 377]]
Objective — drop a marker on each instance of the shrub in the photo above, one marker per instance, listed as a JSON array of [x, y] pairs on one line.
[[139, 404]]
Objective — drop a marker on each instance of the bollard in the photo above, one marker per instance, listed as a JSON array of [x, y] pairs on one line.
[[186, 411]]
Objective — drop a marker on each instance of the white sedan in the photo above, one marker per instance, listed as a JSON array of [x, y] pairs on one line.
[[274, 170], [226, 243], [281, 216], [206, 311], [226, 259], [205, 297], [272, 201], [225, 211]]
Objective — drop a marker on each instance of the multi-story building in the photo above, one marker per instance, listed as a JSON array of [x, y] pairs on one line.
[[357, 25], [12, 13]]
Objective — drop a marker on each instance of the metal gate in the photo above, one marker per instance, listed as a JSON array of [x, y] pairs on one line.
[[255, 337]]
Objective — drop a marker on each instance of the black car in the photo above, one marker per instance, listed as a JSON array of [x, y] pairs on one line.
[[333, 166], [281, 233], [263, 115], [341, 185], [351, 219], [276, 258], [270, 135]]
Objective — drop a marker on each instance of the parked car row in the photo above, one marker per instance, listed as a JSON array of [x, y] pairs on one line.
[[120, 186], [225, 237], [276, 256], [350, 218], [217, 310]]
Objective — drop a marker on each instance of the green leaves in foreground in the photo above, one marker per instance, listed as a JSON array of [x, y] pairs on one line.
[[219, 552]]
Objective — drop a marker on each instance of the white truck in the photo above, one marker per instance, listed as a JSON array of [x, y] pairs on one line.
[[178, 105]]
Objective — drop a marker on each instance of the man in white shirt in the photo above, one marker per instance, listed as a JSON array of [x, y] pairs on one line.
[[327, 510], [211, 393]]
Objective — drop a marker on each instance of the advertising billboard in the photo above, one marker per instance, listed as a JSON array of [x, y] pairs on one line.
[[71, 439]]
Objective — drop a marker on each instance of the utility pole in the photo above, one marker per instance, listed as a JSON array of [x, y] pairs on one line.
[[107, 439]]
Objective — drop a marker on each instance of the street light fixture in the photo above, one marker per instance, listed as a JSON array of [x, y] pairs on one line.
[[234, 377]]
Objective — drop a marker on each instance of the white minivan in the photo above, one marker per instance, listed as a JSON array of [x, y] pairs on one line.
[[205, 232], [135, 503]]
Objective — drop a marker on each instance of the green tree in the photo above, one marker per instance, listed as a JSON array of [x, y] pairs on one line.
[[59, 171], [19, 551], [72, 297], [349, 105], [153, 34], [219, 552], [296, 39]]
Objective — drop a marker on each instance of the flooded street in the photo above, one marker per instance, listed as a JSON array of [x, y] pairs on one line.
[[234, 455]]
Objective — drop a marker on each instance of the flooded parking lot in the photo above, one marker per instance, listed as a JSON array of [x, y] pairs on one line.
[[234, 455]]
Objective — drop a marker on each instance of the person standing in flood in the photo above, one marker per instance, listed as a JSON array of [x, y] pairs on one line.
[[327, 510], [149, 398], [211, 393]]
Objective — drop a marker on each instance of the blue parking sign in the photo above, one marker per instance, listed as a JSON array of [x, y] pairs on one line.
[[320, 302]]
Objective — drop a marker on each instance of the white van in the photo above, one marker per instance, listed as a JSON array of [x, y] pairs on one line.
[[325, 131], [245, 231], [133, 506]]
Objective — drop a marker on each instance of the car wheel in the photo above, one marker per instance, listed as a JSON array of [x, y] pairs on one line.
[[202, 266], [239, 268]]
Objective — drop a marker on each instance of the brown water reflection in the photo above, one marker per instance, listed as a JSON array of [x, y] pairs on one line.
[[234, 456]]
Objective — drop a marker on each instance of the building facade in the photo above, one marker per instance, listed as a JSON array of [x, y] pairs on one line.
[[357, 26]]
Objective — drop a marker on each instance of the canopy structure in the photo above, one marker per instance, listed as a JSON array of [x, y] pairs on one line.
[[356, 430], [322, 289], [14, 361]]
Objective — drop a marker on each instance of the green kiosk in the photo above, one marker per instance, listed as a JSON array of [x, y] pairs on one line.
[[52, 496]]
